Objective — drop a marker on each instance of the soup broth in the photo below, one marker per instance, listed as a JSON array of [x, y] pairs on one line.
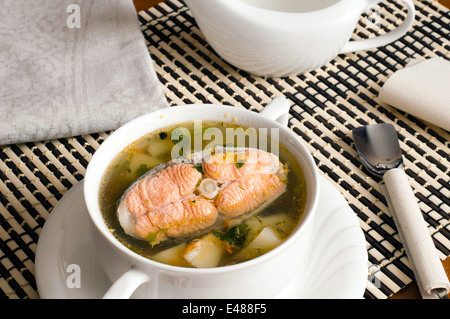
[[230, 240]]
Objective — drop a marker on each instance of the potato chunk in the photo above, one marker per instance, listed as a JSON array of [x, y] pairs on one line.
[[205, 252], [266, 240], [172, 256]]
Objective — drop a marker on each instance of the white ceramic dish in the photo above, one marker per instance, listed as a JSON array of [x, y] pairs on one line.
[[130, 271], [337, 268], [288, 37]]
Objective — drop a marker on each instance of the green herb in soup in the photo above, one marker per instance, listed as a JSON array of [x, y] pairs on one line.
[[191, 196]]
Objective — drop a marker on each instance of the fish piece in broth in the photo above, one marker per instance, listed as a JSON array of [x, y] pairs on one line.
[[176, 219], [248, 193], [158, 189], [186, 195], [231, 164]]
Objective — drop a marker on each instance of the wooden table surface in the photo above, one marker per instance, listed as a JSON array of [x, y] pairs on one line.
[[145, 4], [411, 291]]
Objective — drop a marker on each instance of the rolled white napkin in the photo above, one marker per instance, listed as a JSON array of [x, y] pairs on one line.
[[71, 67], [421, 89]]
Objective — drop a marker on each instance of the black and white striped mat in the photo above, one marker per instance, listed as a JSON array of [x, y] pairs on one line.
[[327, 104]]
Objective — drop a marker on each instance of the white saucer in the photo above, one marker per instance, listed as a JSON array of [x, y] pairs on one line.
[[337, 266]]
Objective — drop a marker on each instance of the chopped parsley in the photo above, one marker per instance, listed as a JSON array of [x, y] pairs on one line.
[[153, 238], [234, 238], [141, 170], [199, 168], [239, 164]]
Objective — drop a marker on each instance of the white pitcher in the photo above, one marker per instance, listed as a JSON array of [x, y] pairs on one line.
[[286, 37]]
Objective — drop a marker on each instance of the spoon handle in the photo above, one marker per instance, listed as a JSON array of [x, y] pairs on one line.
[[412, 228]]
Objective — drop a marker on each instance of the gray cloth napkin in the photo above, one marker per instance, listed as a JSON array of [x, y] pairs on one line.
[[72, 67]]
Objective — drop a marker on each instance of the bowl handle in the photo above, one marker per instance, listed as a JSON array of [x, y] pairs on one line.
[[384, 39], [277, 110], [124, 287]]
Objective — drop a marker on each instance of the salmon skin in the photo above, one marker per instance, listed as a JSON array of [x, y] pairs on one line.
[[190, 194]]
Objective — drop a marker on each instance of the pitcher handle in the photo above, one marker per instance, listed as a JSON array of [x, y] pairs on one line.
[[384, 39], [277, 110]]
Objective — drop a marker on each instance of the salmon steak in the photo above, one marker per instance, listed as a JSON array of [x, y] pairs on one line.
[[248, 193], [230, 165], [176, 219], [162, 188], [188, 195]]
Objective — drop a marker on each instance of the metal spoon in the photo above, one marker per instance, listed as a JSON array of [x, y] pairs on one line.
[[380, 152]]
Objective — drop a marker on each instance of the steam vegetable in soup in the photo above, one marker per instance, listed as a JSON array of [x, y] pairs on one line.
[[176, 197]]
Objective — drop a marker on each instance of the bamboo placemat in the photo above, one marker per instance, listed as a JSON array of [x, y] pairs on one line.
[[327, 104]]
